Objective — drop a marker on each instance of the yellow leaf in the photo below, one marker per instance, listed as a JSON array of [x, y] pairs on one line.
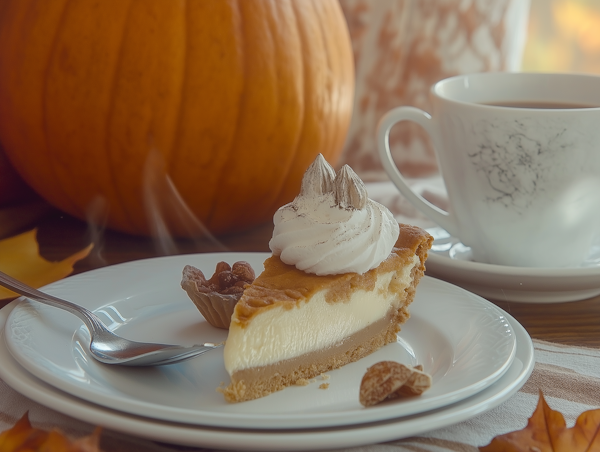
[[20, 258]]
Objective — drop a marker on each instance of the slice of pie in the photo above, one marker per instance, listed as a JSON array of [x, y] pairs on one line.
[[292, 325]]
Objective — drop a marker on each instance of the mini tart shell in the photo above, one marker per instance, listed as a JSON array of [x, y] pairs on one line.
[[215, 307]]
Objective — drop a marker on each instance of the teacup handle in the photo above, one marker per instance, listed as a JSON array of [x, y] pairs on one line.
[[424, 119]]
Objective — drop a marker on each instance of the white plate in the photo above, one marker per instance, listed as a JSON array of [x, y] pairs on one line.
[[462, 340], [279, 440], [450, 260]]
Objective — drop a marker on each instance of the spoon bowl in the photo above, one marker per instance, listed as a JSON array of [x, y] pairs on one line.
[[106, 346]]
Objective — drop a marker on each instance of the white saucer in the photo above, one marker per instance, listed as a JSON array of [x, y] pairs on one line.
[[266, 440], [462, 340], [450, 260]]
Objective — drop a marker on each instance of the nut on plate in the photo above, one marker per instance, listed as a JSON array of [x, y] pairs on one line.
[[389, 380]]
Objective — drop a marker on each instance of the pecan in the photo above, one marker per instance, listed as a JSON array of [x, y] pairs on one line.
[[381, 380], [226, 280], [243, 271], [214, 279], [388, 380], [222, 267]]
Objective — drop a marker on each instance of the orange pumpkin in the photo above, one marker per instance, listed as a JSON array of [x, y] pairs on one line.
[[13, 189], [172, 114]]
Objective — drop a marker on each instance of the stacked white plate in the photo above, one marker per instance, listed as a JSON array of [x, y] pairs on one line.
[[477, 354]]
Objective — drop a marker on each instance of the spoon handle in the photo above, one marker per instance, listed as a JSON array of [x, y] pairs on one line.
[[89, 318]]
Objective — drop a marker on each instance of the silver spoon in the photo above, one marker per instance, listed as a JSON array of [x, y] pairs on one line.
[[106, 346]]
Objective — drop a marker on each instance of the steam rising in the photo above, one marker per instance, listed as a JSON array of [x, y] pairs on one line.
[[160, 196]]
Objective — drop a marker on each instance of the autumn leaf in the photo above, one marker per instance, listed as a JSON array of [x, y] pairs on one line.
[[22, 437], [20, 258], [547, 431]]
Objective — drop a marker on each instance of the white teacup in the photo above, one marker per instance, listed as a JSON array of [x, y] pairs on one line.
[[520, 156]]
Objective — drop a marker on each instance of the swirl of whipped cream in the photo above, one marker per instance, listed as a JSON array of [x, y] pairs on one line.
[[332, 227]]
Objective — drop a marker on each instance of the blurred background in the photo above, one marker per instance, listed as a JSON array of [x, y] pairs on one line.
[[563, 36], [402, 47]]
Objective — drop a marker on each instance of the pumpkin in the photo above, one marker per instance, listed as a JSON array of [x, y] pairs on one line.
[[13, 189], [186, 116]]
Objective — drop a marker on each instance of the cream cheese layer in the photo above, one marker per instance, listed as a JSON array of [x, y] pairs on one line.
[[278, 333]]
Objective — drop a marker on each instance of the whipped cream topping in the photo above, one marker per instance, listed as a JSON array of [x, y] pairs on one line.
[[332, 226]]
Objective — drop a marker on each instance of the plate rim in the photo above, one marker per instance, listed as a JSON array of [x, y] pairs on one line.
[[222, 419]]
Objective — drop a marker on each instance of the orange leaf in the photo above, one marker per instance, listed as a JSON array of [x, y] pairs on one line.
[[20, 258], [22, 437], [547, 431]]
